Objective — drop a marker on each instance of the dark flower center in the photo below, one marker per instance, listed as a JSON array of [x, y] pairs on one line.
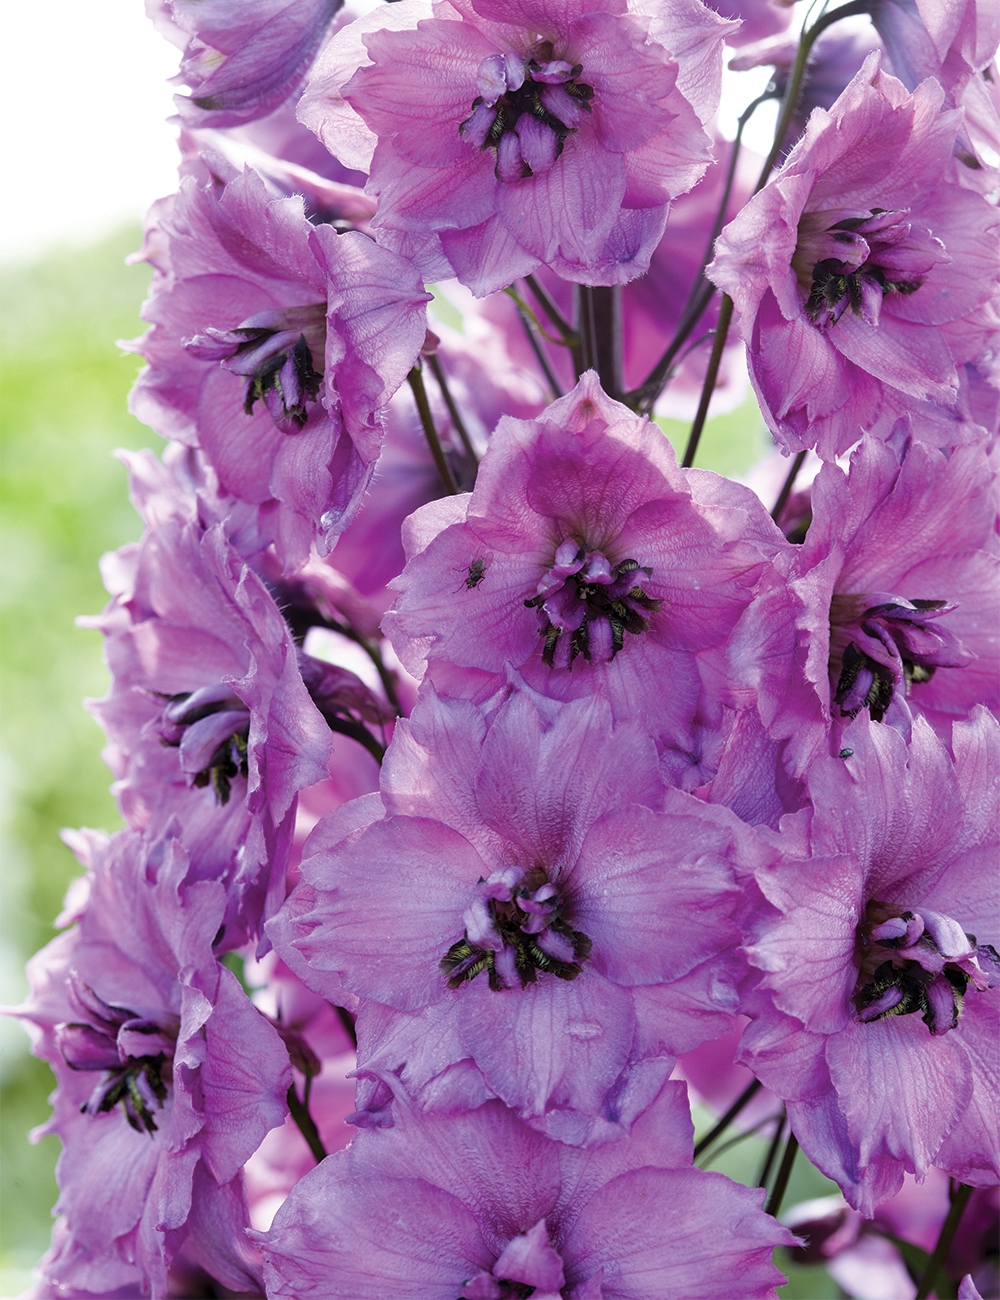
[[277, 353], [886, 644], [525, 110], [211, 728], [852, 263], [133, 1054], [514, 929], [918, 961], [137, 1086], [592, 601]]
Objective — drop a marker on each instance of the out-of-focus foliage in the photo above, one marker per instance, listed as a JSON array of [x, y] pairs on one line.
[[64, 385]]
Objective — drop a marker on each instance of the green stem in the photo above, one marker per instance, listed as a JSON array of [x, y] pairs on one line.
[[791, 99], [370, 649], [599, 310], [569, 334], [525, 318], [453, 410], [772, 1150], [416, 382], [708, 388], [784, 1173], [959, 1200], [522, 306], [644, 397], [740, 1137], [305, 1124], [749, 1091]]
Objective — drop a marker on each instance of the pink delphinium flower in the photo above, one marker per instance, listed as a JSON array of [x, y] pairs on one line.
[[895, 600], [480, 1206], [955, 42], [588, 560], [517, 134], [862, 277], [168, 1076], [241, 60], [506, 893], [876, 1013], [208, 717], [275, 347]]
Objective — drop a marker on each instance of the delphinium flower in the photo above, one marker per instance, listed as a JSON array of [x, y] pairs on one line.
[[241, 61], [955, 45], [896, 588], [208, 717], [482, 1207], [862, 275], [504, 894], [588, 560], [758, 19], [671, 771], [866, 1256], [876, 1012], [511, 135], [168, 1077], [274, 347]]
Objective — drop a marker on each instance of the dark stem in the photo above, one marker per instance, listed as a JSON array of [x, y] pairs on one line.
[[791, 99], [375, 655], [741, 1137], [416, 381], [347, 1020], [540, 357], [578, 350], [749, 1091], [304, 1123], [301, 618], [453, 411], [786, 490], [347, 727], [569, 334], [644, 397], [600, 312], [708, 388], [772, 1151], [784, 1173], [959, 1200]]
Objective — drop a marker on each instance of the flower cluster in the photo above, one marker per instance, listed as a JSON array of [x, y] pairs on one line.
[[491, 779]]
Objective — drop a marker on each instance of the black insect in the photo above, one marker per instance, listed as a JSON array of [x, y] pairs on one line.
[[477, 572]]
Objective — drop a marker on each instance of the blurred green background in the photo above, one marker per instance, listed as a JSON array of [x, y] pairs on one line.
[[64, 388]]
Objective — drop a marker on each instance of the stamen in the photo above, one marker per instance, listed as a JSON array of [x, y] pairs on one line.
[[525, 110], [852, 263], [513, 931], [277, 352], [596, 602], [887, 644], [211, 728], [918, 961]]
